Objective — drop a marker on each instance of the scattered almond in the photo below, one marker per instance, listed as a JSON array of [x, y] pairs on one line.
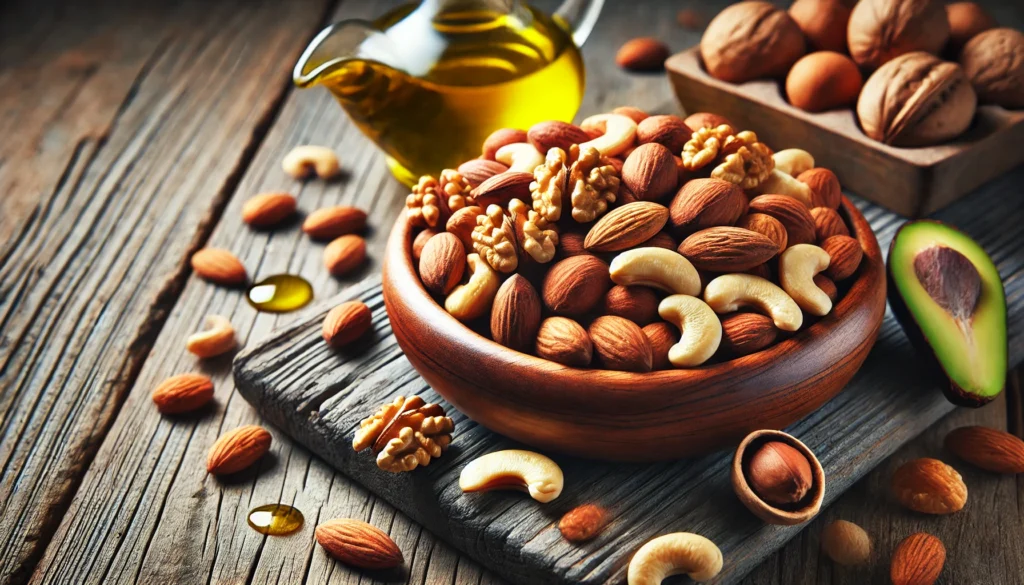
[[344, 254], [627, 226], [332, 222], [216, 338], [358, 544], [346, 323], [583, 523], [219, 267], [642, 54], [237, 449], [267, 209], [846, 543], [182, 393], [621, 344], [989, 449], [918, 560], [929, 486]]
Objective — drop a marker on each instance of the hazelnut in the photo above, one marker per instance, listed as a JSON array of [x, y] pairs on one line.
[[779, 474], [966, 20], [994, 62], [823, 22], [750, 40], [881, 30], [823, 81]]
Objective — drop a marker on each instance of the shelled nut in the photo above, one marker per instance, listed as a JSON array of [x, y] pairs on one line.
[[778, 478]]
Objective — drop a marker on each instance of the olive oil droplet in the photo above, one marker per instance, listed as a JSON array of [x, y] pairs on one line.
[[275, 519], [280, 293]]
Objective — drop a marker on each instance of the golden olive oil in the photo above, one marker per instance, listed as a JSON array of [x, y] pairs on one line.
[[275, 519]]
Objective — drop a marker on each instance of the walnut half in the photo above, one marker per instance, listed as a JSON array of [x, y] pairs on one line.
[[423, 205], [494, 238], [405, 434], [747, 162], [594, 185], [537, 236]]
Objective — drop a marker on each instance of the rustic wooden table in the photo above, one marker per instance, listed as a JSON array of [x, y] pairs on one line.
[[133, 132]]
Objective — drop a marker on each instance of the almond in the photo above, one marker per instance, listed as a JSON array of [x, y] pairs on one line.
[[650, 172], [515, 316], [478, 170], [989, 449], [571, 244], [219, 267], [500, 189], [747, 333], [462, 223], [660, 240], [442, 263], [827, 286], [662, 336], [642, 54], [237, 449], [827, 223], [332, 222], [704, 203], [705, 120], [344, 254], [627, 226], [918, 560], [766, 225], [795, 216], [583, 523], [668, 131], [727, 249], [635, 114], [762, 270], [420, 241], [639, 304], [576, 285], [267, 209], [621, 344], [564, 341], [358, 544], [346, 323], [547, 135], [846, 543], [929, 486], [845, 255], [501, 137], [825, 189], [182, 393]]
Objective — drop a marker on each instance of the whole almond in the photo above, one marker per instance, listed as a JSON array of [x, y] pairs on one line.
[[662, 336], [478, 170], [237, 449], [346, 323], [501, 137], [358, 544], [420, 241], [576, 285], [583, 523], [667, 130], [650, 172], [795, 216], [639, 304], [627, 226], [571, 244], [845, 255], [705, 120], [642, 54], [827, 286], [929, 486], [828, 223], [621, 344], [825, 189], [918, 560], [547, 135], [267, 209], [564, 341], [660, 240], [705, 203], [727, 249], [182, 393], [846, 543], [766, 225], [219, 267], [989, 449], [761, 270], [462, 223], [344, 254], [500, 189], [635, 114], [747, 333], [442, 263], [332, 222], [515, 316]]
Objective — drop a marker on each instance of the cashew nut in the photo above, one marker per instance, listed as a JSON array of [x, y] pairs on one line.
[[516, 470], [520, 157], [797, 267], [730, 292], [302, 160], [618, 133], [700, 326], [216, 338], [471, 300], [780, 183], [793, 161], [664, 269], [675, 554]]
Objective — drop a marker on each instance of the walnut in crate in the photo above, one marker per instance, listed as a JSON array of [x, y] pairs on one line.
[[423, 205], [405, 434]]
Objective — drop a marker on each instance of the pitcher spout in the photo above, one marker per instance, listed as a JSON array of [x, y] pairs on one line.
[[338, 44]]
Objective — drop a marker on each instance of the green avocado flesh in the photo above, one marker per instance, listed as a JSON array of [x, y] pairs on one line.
[[947, 294]]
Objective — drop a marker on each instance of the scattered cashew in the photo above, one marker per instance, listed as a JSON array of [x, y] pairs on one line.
[[302, 160], [730, 292], [793, 161], [520, 157], [675, 554], [216, 338], [700, 326], [797, 267], [664, 269], [514, 469], [618, 133], [780, 183], [471, 300]]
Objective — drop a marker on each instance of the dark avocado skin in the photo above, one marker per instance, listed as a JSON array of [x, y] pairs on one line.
[[935, 369]]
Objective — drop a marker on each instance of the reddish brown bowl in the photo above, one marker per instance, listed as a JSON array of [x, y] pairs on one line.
[[628, 416]]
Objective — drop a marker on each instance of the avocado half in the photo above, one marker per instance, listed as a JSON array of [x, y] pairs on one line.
[[946, 293]]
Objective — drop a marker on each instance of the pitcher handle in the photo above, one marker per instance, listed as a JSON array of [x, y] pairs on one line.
[[579, 17]]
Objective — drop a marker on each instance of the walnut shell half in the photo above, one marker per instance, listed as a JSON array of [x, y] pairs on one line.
[[994, 62], [916, 100], [881, 30], [750, 40]]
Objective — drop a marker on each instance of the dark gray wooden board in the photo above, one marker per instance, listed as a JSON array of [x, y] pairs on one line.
[[318, 396]]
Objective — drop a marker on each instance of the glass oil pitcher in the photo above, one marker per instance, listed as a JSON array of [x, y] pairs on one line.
[[428, 82]]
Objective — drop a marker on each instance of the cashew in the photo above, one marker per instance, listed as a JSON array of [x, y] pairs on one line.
[[700, 326], [779, 183], [471, 300], [302, 160], [663, 269], [675, 554], [729, 292], [216, 338], [520, 157], [793, 161], [618, 133], [514, 469], [797, 267]]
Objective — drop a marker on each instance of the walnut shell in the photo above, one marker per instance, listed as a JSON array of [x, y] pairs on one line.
[[881, 30], [966, 20], [994, 62], [750, 40], [916, 100]]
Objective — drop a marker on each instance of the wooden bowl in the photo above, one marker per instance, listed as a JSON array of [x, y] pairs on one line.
[[629, 416]]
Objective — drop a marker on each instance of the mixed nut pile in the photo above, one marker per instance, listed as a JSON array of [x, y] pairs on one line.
[[646, 242]]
